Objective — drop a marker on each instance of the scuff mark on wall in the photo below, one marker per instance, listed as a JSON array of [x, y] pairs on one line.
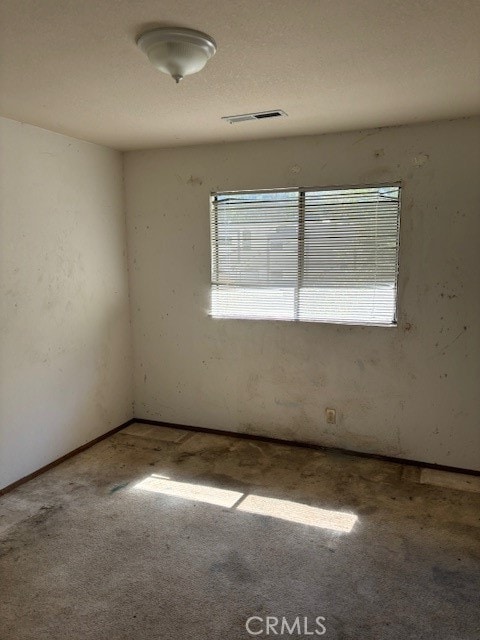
[[195, 181], [289, 405], [457, 337], [365, 136], [420, 160]]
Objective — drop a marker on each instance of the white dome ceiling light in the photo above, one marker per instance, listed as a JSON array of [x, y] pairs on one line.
[[176, 51]]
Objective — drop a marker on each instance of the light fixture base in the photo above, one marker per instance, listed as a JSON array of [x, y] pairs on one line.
[[177, 51]]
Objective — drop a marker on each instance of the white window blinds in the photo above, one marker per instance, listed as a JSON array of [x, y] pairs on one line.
[[315, 255]]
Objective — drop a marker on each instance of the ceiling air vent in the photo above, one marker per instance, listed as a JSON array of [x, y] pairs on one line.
[[260, 115]]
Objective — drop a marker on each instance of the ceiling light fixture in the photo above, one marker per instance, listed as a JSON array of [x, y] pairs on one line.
[[176, 51]]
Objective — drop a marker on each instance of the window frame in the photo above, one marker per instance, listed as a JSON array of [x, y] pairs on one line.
[[301, 253]]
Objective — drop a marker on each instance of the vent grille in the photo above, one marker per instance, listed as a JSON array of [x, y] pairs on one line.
[[259, 115]]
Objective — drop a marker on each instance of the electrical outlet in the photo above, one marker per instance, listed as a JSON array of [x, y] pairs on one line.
[[331, 416]]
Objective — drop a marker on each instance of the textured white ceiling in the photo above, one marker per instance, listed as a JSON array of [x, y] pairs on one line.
[[72, 66]]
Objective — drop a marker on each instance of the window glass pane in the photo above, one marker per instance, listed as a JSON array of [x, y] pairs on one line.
[[350, 255], [256, 237], [326, 255], [261, 303]]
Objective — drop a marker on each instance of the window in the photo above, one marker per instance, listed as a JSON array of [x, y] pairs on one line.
[[314, 255]]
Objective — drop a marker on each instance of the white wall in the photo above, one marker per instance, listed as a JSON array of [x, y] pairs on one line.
[[65, 352], [411, 391]]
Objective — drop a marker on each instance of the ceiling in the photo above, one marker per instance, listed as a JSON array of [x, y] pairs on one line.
[[72, 66]]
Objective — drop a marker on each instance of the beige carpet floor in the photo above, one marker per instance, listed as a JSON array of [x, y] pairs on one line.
[[165, 534]]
